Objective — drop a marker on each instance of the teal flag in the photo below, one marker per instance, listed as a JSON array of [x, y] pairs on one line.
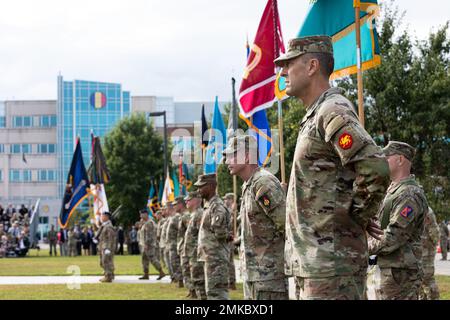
[[217, 141], [336, 18], [176, 184]]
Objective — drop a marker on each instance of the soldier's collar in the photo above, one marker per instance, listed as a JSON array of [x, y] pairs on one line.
[[214, 198], [395, 185], [250, 180], [311, 110]]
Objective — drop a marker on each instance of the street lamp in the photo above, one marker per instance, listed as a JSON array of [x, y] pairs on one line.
[[158, 114]]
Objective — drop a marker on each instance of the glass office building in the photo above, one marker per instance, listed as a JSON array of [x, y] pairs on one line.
[[83, 106]]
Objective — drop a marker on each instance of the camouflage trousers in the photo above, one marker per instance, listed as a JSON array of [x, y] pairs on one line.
[[216, 279], [107, 264], [443, 244], [231, 267], [175, 264], [186, 271], [197, 271], [429, 289], [167, 261], [161, 257], [150, 257], [331, 288], [399, 284], [275, 289]]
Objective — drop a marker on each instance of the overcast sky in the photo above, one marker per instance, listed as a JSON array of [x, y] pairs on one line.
[[186, 49]]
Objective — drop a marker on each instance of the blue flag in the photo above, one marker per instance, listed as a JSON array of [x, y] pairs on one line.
[[260, 129], [336, 18], [161, 190], [217, 141], [176, 184], [77, 187]]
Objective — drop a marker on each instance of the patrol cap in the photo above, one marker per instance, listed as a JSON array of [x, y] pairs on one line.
[[300, 46], [107, 213], [179, 199], [398, 147], [205, 179], [228, 196], [191, 195], [237, 143]]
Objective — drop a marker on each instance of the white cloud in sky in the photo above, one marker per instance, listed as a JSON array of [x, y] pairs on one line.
[[185, 49]]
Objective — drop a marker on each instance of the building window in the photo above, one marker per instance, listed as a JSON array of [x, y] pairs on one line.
[[1, 175], [15, 148], [46, 148], [26, 148], [2, 148], [48, 121], [22, 121], [26, 175], [2, 122], [14, 175], [46, 175]]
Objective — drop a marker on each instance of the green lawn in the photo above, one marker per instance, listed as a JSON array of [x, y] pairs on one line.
[[43, 265], [101, 291]]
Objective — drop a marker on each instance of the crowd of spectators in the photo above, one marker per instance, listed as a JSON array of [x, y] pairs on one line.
[[14, 231]]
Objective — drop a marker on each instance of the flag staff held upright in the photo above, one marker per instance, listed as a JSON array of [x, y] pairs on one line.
[[235, 120], [357, 6], [280, 109]]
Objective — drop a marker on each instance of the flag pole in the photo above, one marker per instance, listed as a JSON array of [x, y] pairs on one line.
[[235, 120], [280, 109], [357, 6]]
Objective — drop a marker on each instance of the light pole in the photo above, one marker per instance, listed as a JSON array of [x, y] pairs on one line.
[[158, 114]]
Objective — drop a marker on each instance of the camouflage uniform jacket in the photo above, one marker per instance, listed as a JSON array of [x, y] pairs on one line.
[[214, 231], [401, 216], [338, 178], [148, 234], [191, 236], [107, 237], [430, 239], [172, 231], [159, 232], [263, 212], [443, 231], [182, 227]]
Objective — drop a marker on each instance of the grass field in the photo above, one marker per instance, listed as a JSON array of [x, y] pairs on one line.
[[101, 291], [43, 265]]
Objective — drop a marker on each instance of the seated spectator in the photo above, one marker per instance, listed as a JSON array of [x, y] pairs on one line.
[[23, 245], [14, 231]]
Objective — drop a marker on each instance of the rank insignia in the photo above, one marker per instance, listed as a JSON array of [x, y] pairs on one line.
[[406, 211], [345, 141]]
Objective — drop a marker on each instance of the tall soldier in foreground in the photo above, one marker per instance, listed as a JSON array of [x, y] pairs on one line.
[[338, 178]]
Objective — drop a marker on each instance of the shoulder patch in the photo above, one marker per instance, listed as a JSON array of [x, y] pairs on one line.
[[345, 141], [406, 211], [266, 201]]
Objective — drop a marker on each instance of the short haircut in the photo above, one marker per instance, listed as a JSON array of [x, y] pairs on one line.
[[326, 62]]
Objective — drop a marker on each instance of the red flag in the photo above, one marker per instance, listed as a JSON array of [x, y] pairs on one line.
[[257, 89]]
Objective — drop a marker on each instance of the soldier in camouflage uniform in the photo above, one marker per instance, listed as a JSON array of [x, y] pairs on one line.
[[72, 242], [161, 236], [106, 246], [263, 213], [430, 238], [164, 235], [148, 243], [213, 238], [180, 207], [401, 215], [171, 246], [338, 178], [228, 200], [197, 272], [443, 243]]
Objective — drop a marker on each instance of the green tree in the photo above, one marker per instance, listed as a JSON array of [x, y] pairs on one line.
[[134, 154], [407, 99]]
